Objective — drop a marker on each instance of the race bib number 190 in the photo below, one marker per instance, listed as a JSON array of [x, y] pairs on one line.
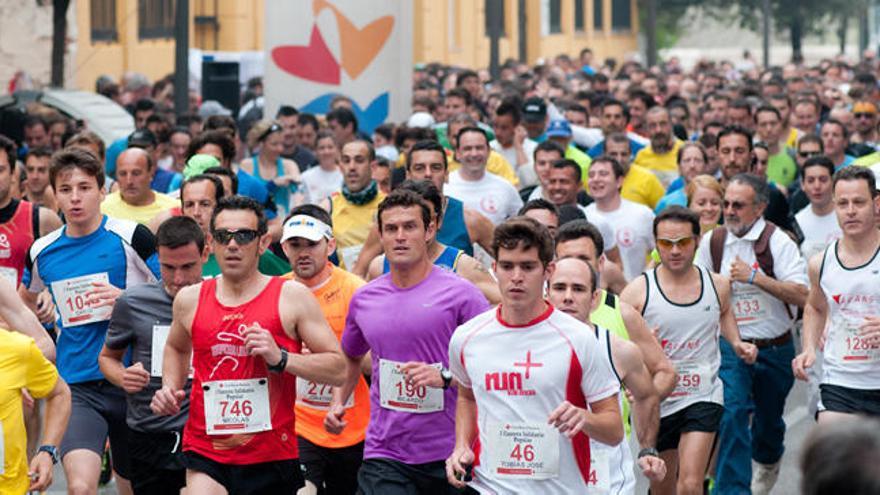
[[524, 450], [71, 301], [396, 393], [237, 406]]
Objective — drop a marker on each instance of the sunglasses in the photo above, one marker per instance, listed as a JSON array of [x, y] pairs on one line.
[[864, 115], [808, 154], [681, 242], [270, 130], [736, 205], [241, 236]]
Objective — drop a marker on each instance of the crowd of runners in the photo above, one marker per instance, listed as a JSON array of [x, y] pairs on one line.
[[556, 281]]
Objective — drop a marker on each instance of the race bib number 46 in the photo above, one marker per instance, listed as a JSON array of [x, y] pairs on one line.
[[317, 395], [396, 393], [523, 450], [237, 406], [71, 301]]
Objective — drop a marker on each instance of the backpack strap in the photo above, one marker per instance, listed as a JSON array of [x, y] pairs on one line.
[[716, 247], [762, 249]]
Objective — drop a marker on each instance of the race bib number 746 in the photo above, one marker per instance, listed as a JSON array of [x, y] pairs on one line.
[[237, 406]]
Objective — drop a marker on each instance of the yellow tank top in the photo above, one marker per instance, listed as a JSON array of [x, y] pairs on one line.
[[351, 225]]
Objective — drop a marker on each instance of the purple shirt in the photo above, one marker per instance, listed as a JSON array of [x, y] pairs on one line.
[[413, 324]]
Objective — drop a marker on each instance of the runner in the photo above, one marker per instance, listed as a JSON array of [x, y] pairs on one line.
[[36, 185], [134, 200], [85, 265], [571, 289], [331, 461], [446, 257], [533, 386], [405, 319], [245, 350], [674, 292], [139, 325], [843, 291], [818, 222]]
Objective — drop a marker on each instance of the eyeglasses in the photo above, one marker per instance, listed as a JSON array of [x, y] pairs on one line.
[[241, 236], [736, 205], [808, 154], [866, 115], [681, 242]]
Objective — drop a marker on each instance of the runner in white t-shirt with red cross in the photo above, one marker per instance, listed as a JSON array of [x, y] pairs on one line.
[[534, 385]]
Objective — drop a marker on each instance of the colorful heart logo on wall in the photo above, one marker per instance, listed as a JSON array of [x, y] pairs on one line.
[[315, 62]]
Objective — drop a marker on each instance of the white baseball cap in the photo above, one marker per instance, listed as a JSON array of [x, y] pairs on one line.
[[306, 227]]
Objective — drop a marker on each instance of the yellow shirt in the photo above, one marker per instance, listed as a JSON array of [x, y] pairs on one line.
[[115, 207], [664, 166], [583, 160], [792, 140], [22, 365], [641, 186], [351, 225], [496, 164]]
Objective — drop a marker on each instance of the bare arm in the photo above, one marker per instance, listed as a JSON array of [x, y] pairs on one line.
[[303, 318], [603, 422], [729, 330], [54, 425], [815, 316], [372, 248], [480, 229], [465, 433], [788, 292], [157, 221], [613, 255], [661, 368], [49, 221], [21, 319], [471, 270], [178, 348], [646, 404], [375, 268], [612, 277]]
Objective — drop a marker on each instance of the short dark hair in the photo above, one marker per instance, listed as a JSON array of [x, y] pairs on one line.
[[218, 185], [460, 93], [616, 167], [852, 173], [76, 158], [308, 119], [465, 74], [811, 138], [39, 152], [220, 122], [841, 457], [428, 191], [838, 124], [241, 203], [371, 151], [732, 130], [427, 145], [549, 146], [612, 102], [539, 204], [758, 185], [88, 138], [566, 163], [8, 146], [818, 161], [35, 120], [219, 138], [472, 128], [313, 211], [144, 105], [680, 214], [403, 198], [179, 231], [286, 111], [225, 172], [385, 130], [581, 229], [767, 109], [344, 117], [523, 233], [508, 107]]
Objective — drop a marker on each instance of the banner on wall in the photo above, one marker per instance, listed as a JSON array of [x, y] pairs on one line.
[[317, 49]]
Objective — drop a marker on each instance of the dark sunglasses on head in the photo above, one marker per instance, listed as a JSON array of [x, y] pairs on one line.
[[241, 236], [270, 130]]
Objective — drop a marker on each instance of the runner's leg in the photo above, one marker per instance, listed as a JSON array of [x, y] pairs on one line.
[[694, 450], [201, 483], [667, 486]]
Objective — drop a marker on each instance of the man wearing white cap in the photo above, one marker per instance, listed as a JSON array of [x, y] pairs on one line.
[[331, 461]]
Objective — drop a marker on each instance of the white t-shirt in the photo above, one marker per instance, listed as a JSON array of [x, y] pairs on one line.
[[320, 183], [492, 196], [519, 375], [524, 171], [632, 224], [818, 231]]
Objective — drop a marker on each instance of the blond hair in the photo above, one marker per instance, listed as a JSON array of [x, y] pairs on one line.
[[706, 182]]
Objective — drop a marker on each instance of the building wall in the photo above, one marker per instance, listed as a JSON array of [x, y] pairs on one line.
[[26, 40]]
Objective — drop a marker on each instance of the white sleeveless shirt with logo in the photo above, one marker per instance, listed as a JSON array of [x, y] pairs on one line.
[[851, 294], [689, 336]]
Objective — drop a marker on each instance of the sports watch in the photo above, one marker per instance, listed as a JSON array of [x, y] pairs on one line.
[[51, 450], [446, 375]]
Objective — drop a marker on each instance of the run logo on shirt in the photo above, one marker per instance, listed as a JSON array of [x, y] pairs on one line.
[[512, 381]]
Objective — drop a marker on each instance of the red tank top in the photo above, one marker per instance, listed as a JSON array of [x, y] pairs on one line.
[[16, 237], [219, 354]]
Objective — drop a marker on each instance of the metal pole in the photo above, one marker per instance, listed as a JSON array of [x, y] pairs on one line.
[[651, 33], [523, 35], [765, 7], [181, 55], [493, 14]]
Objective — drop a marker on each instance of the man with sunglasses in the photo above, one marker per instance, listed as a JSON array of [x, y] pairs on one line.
[[678, 291], [865, 116], [244, 344], [763, 293]]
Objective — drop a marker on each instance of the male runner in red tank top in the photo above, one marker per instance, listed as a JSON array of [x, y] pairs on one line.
[[245, 346]]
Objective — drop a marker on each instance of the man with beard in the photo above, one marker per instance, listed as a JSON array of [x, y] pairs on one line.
[[661, 156]]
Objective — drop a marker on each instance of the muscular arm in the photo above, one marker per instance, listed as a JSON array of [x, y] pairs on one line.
[[57, 413], [663, 372], [603, 421], [788, 292], [110, 362], [49, 221], [178, 347], [646, 405], [372, 248], [471, 270], [729, 329], [302, 318], [465, 418], [21, 319], [816, 308], [480, 228]]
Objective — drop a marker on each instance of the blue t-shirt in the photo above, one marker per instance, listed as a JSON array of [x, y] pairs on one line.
[[677, 197], [124, 250], [254, 188], [112, 153]]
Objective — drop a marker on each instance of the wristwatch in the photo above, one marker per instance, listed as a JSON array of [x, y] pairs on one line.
[[51, 450], [279, 367], [648, 451], [446, 375]]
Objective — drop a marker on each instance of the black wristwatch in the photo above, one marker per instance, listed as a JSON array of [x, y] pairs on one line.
[[51, 450], [278, 368], [446, 375], [648, 451]]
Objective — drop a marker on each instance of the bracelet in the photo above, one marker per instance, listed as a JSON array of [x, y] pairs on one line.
[[752, 276], [648, 451]]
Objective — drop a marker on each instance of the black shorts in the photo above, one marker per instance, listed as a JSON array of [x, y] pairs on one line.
[[390, 477], [331, 470], [156, 462], [97, 412], [849, 400], [702, 416], [276, 477]]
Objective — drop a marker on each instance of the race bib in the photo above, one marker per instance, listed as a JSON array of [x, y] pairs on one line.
[[848, 345], [70, 298], [237, 406], [600, 472], [692, 379], [749, 304], [397, 394], [10, 275], [317, 395], [523, 450], [350, 255], [157, 352]]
